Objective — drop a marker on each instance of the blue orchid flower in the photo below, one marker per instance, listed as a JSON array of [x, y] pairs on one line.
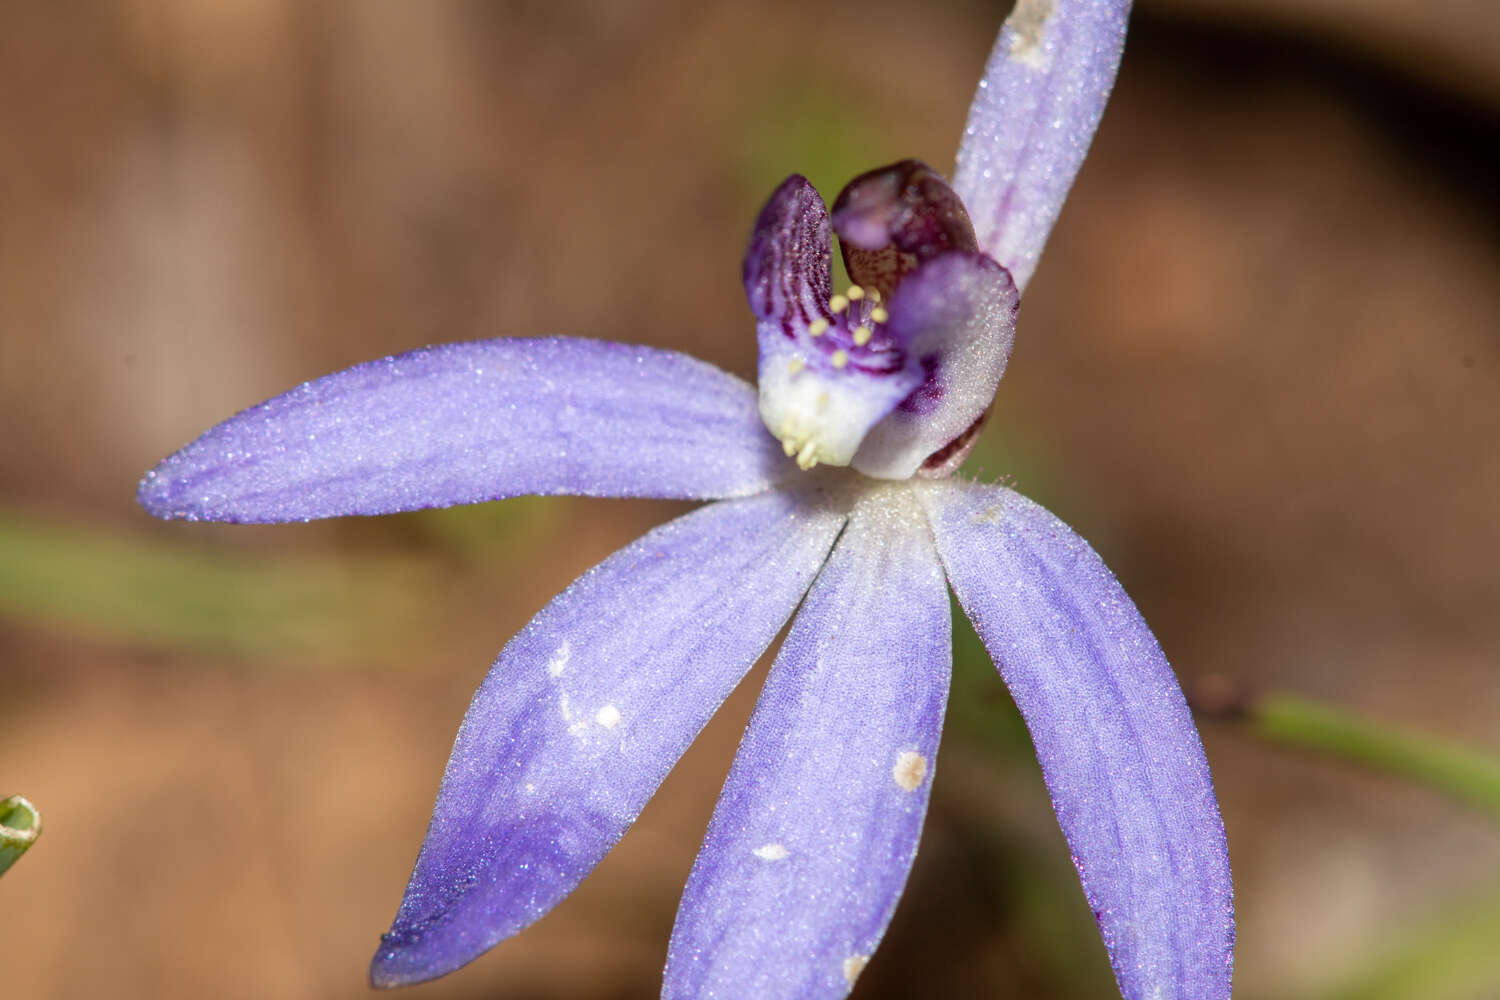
[[845, 518]]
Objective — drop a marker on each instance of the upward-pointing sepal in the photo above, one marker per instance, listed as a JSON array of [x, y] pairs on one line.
[[1032, 120]]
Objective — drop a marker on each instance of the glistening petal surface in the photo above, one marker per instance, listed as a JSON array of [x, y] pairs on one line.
[[476, 421], [1118, 749], [814, 835], [584, 713], [956, 317], [1032, 120]]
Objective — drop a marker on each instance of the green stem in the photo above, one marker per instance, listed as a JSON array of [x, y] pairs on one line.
[[20, 825], [1465, 774]]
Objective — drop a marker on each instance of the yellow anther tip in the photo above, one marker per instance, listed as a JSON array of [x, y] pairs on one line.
[[862, 336], [856, 293], [840, 358], [817, 327], [838, 303], [879, 315], [795, 365]]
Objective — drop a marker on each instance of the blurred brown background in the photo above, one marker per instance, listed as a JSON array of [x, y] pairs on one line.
[[1259, 368]]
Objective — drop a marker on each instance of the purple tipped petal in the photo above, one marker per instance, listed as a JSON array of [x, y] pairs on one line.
[[814, 835], [1116, 742], [956, 314], [787, 264], [891, 219], [1032, 120], [584, 713], [476, 421]]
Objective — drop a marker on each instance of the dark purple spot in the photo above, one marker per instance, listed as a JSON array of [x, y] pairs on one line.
[[951, 455], [925, 397]]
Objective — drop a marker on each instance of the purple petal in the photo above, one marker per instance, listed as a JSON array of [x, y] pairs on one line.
[[787, 264], [814, 835], [477, 421], [1032, 120], [584, 713], [1116, 742], [956, 317]]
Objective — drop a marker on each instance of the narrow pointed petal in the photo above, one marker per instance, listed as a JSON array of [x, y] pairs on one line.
[[1116, 742], [585, 712], [476, 421], [1032, 120], [814, 835], [956, 316]]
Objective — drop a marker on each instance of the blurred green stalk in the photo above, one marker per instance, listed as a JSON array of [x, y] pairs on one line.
[[1455, 956], [214, 599], [20, 825], [1467, 775]]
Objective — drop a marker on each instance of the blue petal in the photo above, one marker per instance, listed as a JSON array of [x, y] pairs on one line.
[[585, 712], [476, 421], [814, 835], [1116, 742], [1032, 120]]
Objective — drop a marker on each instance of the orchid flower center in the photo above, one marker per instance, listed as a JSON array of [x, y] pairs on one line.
[[886, 374], [851, 332]]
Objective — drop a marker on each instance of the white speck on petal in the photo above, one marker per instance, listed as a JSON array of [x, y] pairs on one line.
[[990, 515], [910, 769], [608, 717], [559, 661], [853, 966], [771, 852]]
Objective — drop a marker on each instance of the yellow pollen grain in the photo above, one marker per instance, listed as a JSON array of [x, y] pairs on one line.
[[795, 365], [856, 293], [840, 358], [838, 303], [806, 458], [862, 336], [789, 445], [879, 315], [817, 328]]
